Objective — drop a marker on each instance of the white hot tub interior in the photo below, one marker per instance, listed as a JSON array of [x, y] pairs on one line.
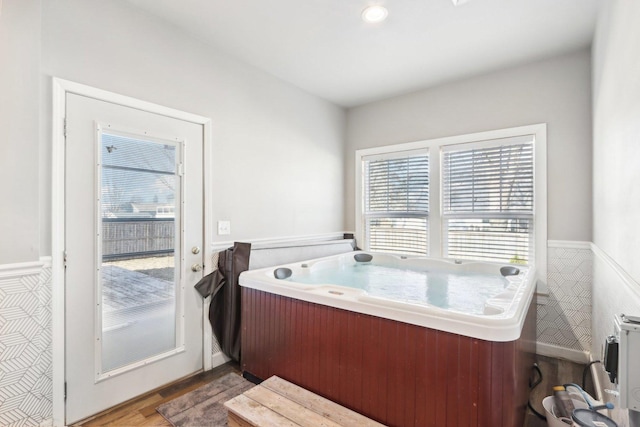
[[461, 297]]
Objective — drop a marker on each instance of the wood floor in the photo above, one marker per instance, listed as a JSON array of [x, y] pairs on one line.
[[554, 372], [142, 410]]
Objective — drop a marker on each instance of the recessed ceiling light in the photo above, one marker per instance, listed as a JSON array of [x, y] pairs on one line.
[[374, 14]]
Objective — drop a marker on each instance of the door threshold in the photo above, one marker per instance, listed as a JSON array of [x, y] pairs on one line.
[[136, 399], [166, 393]]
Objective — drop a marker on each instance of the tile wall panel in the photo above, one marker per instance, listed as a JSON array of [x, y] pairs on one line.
[[25, 346], [565, 319]]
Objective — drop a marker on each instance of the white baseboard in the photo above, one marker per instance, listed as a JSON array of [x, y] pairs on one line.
[[218, 359], [550, 350]]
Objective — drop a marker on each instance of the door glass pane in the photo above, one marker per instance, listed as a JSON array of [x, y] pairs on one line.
[[139, 244]]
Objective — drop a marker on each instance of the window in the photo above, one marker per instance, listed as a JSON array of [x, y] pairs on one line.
[[480, 196], [487, 200], [397, 203]]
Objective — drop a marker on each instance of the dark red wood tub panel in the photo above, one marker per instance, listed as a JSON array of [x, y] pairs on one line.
[[396, 373]]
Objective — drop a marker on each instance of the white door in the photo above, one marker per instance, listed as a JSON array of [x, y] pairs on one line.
[[134, 229]]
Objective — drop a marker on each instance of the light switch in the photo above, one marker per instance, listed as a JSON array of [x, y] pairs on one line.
[[224, 228]]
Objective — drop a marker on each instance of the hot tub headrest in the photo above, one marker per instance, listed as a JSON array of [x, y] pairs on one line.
[[363, 257], [282, 273], [509, 271]]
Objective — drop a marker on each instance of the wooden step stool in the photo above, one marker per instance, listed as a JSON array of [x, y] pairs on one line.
[[276, 402]]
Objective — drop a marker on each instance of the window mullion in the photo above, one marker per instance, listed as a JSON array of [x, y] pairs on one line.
[[435, 199]]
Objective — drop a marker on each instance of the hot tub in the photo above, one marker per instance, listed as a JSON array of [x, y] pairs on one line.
[[404, 340], [467, 298]]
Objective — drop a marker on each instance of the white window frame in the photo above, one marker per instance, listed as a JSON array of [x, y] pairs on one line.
[[434, 147], [401, 214], [528, 214]]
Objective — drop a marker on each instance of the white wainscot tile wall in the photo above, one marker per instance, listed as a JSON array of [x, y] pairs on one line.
[[25, 344], [564, 317]]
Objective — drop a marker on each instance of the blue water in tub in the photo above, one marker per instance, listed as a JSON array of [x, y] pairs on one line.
[[460, 291]]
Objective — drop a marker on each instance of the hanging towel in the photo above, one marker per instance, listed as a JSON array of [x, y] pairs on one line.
[[224, 288]]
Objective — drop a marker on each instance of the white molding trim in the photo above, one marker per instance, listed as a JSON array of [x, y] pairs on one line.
[[550, 350], [218, 359], [540, 203], [630, 283], [571, 244], [275, 242], [57, 250], [127, 101], [208, 188], [9, 271], [60, 89]]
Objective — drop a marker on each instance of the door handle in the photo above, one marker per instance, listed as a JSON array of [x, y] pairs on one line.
[[196, 267]]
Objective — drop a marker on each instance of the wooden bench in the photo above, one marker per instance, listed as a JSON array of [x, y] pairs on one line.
[[276, 402]]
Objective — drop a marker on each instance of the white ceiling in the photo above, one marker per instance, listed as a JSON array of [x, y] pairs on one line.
[[323, 46]]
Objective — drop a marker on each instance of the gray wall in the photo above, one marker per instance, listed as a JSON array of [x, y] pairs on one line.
[[616, 146], [278, 150], [556, 91], [616, 172], [19, 130], [278, 165]]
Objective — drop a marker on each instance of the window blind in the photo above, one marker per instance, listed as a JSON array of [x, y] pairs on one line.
[[396, 204], [488, 201]]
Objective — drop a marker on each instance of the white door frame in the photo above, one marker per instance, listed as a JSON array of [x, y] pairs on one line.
[[60, 89]]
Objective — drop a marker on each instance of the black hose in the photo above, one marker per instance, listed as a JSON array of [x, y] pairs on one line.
[[532, 385], [584, 373]]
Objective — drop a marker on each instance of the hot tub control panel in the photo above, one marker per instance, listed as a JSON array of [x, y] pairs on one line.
[[627, 330]]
